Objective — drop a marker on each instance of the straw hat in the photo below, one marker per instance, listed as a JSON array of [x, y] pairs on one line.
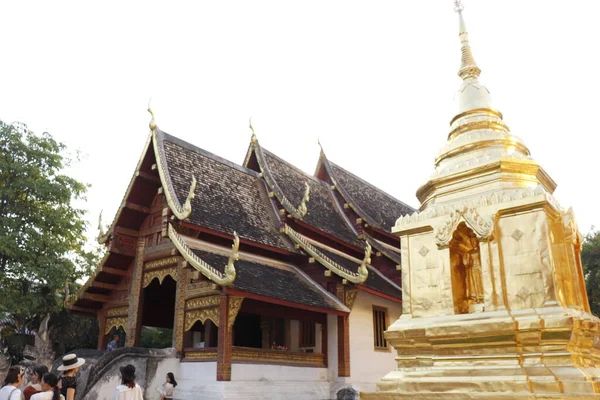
[[70, 361]]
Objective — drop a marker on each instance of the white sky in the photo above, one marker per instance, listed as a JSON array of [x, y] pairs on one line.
[[374, 80]]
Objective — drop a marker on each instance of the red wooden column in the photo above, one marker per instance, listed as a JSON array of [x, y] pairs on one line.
[[324, 340], [136, 307], [343, 346], [101, 327], [225, 339]]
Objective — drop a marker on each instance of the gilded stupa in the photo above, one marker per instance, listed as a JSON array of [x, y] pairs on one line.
[[494, 301]]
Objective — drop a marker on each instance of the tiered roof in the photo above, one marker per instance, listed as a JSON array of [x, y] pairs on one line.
[[207, 193]]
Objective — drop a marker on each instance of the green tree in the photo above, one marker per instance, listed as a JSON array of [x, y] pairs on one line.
[[590, 258], [42, 241]]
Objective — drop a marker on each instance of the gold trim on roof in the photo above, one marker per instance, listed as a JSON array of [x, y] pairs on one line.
[[181, 212], [355, 277], [223, 279]]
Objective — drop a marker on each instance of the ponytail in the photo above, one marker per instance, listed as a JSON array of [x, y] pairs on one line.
[[52, 380]]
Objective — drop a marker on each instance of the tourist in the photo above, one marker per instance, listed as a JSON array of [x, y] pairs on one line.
[[13, 380], [36, 380], [128, 389], [68, 381], [113, 344], [50, 390], [166, 390]]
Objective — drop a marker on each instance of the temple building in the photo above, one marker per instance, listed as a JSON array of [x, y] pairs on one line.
[[494, 300], [264, 273]]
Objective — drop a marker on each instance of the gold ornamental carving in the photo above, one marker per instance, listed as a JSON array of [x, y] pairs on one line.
[[163, 262], [225, 278], [350, 297], [209, 301], [481, 226], [161, 274], [181, 212], [118, 322], [235, 303], [202, 314], [355, 277], [117, 312]]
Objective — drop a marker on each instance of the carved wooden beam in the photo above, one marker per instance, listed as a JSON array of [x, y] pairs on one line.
[[83, 310], [148, 177], [125, 231], [101, 298], [115, 271], [137, 207], [103, 285]]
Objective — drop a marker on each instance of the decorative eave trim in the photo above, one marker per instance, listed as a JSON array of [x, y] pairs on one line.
[[482, 227], [349, 200], [395, 257], [223, 279], [296, 212], [181, 212], [355, 277]]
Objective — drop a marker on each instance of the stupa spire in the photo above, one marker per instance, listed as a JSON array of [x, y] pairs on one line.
[[468, 66]]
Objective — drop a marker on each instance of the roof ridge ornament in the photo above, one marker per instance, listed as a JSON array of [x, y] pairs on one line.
[[225, 278], [102, 236], [362, 268], [468, 66], [152, 123], [187, 206], [358, 277], [253, 139], [302, 208]]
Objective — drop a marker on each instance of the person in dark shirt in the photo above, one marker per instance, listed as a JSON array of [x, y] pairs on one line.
[[68, 381]]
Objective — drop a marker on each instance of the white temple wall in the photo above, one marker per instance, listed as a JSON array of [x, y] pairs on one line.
[[368, 365], [252, 381]]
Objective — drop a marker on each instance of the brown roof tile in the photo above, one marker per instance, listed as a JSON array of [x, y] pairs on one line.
[[228, 198]]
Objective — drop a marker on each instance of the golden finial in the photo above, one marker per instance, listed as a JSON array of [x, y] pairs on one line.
[[253, 139], [235, 256], [362, 271], [468, 66], [152, 121], [303, 208]]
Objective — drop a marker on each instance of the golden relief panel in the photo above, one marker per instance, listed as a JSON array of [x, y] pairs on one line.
[[350, 297], [163, 262], [179, 309], [161, 274], [203, 314], [243, 354], [115, 323], [117, 312], [209, 301], [235, 303]]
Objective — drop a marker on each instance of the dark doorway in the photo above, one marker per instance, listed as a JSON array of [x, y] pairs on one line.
[[158, 313], [247, 332]]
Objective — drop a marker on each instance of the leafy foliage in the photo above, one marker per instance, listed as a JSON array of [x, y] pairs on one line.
[[590, 258], [156, 338], [42, 241]]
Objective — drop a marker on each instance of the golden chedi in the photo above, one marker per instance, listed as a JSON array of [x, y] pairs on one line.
[[494, 301]]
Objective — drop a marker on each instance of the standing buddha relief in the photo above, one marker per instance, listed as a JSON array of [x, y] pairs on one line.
[[465, 261]]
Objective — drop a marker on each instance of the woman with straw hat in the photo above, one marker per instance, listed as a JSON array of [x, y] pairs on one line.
[[68, 382]]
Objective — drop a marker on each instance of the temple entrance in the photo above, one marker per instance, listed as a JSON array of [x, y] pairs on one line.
[[465, 260], [158, 313]]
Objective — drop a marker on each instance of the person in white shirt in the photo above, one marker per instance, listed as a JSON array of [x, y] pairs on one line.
[[166, 390], [128, 389], [13, 380], [50, 390]]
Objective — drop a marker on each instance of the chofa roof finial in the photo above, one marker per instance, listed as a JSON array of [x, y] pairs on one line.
[[152, 121], [253, 139]]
